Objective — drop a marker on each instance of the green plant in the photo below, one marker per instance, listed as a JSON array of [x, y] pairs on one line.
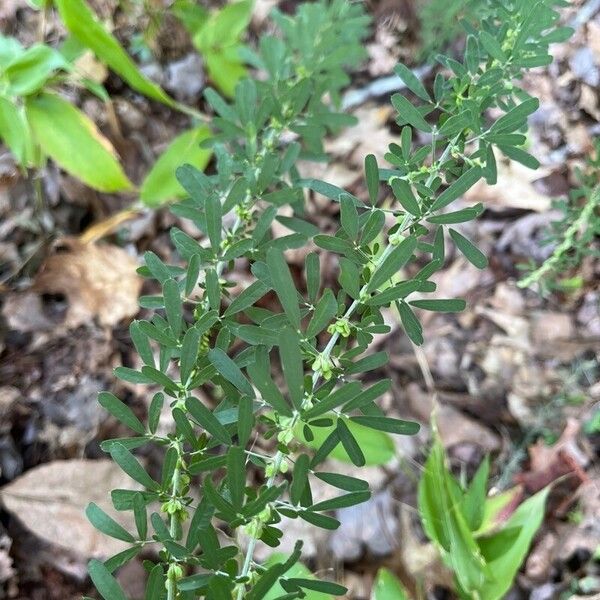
[[484, 552], [207, 337], [574, 236], [387, 587], [36, 122]]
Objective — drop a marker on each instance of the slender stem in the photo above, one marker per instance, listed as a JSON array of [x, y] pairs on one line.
[[173, 522]]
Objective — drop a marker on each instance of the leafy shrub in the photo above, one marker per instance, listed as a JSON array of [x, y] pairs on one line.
[[202, 334]]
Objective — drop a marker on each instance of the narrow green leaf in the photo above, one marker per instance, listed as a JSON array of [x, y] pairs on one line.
[[516, 117], [292, 364], [466, 181], [388, 587], [475, 256], [84, 25], [173, 306], [299, 478], [141, 343], [107, 525], [520, 156], [259, 372], [343, 482], [105, 583], [230, 371], [236, 475], [492, 46], [350, 444], [247, 297], [214, 218], [189, 353], [324, 587], [413, 83], [397, 258], [411, 324], [140, 515], [441, 305], [312, 270], [284, 285], [351, 499], [459, 216], [409, 113], [207, 420], [324, 311], [121, 412], [372, 178], [349, 216], [388, 424], [404, 195], [131, 466]]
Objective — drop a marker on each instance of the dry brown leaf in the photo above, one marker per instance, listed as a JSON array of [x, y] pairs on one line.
[[98, 281], [50, 501]]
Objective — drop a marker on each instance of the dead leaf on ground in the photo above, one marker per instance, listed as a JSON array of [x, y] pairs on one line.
[[98, 282], [50, 500]]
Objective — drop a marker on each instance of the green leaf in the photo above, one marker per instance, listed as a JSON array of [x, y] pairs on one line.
[[160, 184], [388, 424], [72, 140], [312, 270], [520, 156], [214, 220], [207, 420], [245, 422], [459, 216], [84, 25], [30, 71], [343, 482], [397, 258], [377, 446], [14, 131], [142, 343], [107, 525], [475, 256], [441, 305], [299, 478], [348, 216], [507, 559], [350, 499], [404, 195], [411, 324], [409, 113], [516, 117], [236, 475], [344, 394], [140, 515], [413, 83], [105, 583], [173, 306], [473, 504], [292, 364], [492, 46], [283, 285], [156, 583], [121, 412], [387, 587], [189, 353], [324, 311], [230, 371], [259, 372], [298, 570], [465, 182], [247, 297], [350, 444], [130, 465], [325, 587], [372, 177]]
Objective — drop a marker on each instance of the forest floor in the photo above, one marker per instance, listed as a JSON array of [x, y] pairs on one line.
[[515, 376]]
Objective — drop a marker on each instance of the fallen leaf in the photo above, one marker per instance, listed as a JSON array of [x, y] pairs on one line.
[[98, 282], [50, 501]]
